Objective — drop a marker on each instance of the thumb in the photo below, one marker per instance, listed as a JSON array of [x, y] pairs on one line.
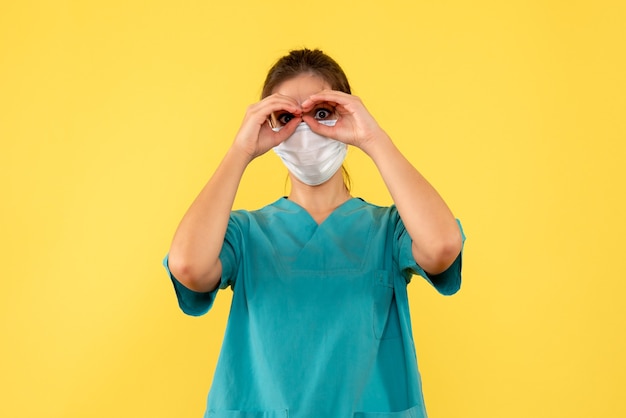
[[319, 128], [283, 133]]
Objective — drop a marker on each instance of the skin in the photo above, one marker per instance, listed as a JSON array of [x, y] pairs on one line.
[[194, 253]]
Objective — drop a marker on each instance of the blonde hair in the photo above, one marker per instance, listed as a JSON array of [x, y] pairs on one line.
[[347, 180]]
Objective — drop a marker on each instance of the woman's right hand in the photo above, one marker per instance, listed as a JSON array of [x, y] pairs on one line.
[[255, 136]]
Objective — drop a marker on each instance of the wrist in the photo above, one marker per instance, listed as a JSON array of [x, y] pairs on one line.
[[239, 155], [377, 144]]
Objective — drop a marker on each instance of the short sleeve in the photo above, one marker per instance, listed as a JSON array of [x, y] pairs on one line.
[[447, 283], [190, 302], [198, 303]]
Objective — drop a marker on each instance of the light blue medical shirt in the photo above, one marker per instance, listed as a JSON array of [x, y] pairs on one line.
[[319, 325]]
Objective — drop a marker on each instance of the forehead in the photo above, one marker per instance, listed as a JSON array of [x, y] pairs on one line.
[[302, 86]]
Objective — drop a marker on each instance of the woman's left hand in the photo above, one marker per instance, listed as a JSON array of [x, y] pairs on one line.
[[355, 125]]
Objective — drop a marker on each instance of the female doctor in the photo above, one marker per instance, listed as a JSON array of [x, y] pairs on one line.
[[319, 324]]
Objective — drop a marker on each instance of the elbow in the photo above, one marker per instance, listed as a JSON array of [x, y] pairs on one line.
[[450, 251], [440, 254], [193, 276]]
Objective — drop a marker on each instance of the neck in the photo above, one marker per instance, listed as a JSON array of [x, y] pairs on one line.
[[320, 200]]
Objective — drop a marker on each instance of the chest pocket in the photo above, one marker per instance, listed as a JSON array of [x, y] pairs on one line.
[[386, 321]]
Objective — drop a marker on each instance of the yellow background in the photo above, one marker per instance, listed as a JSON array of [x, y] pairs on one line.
[[113, 114]]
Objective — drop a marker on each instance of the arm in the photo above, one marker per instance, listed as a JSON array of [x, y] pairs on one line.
[[433, 229], [428, 220], [195, 249]]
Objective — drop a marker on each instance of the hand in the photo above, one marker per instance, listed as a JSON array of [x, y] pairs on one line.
[[355, 125], [255, 136]]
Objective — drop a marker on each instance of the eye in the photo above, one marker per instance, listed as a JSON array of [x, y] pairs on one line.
[[284, 118], [323, 113]]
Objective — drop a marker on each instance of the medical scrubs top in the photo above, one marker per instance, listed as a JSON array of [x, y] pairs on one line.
[[319, 324]]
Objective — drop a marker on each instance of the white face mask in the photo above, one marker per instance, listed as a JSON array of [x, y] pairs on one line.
[[312, 158]]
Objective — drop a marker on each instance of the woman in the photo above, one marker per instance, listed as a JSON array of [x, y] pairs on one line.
[[319, 323]]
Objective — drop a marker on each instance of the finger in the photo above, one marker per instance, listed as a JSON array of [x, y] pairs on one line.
[[275, 103], [274, 114], [331, 96], [280, 100], [321, 129], [286, 131]]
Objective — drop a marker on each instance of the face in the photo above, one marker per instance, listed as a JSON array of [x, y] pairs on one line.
[[301, 88]]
